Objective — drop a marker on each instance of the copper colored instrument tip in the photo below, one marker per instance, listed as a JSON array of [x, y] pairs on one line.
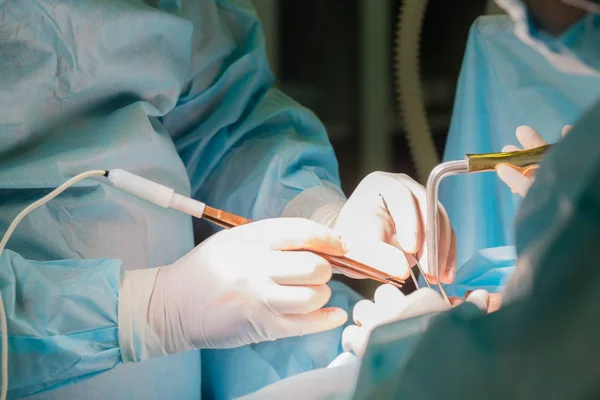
[[228, 220]]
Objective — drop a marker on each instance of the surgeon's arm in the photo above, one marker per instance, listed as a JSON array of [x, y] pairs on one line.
[[62, 320], [249, 148]]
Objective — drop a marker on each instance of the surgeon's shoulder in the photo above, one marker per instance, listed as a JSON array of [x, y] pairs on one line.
[[493, 26], [493, 36]]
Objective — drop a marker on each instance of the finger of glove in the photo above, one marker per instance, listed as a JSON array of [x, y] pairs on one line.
[[480, 298], [514, 179], [391, 300], [355, 339], [405, 212], [295, 234], [448, 263], [444, 234], [450, 273], [529, 173], [298, 268], [365, 313], [317, 321], [565, 130], [494, 301], [423, 301], [509, 148], [389, 296], [529, 138], [365, 215], [296, 299], [456, 301], [379, 255]]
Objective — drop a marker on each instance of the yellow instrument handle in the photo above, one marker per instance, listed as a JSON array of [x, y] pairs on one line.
[[524, 161]]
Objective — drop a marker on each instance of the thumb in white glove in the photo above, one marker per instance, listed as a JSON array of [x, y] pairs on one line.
[[529, 139], [236, 288], [392, 305]]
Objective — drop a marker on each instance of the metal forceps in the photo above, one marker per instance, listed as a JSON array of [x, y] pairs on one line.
[[412, 260], [524, 161], [227, 220]]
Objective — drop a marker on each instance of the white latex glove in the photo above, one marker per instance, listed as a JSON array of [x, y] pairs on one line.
[[234, 289], [391, 305], [529, 139], [369, 231]]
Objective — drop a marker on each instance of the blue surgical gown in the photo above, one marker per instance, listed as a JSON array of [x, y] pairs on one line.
[[179, 92], [503, 84]]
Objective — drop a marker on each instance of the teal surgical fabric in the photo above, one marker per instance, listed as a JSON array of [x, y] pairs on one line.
[[503, 84], [178, 92]]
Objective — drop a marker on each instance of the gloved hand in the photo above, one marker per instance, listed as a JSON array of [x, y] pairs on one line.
[[529, 139], [494, 301], [236, 288], [391, 305], [369, 231]]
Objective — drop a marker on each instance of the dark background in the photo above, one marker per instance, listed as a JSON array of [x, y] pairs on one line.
[[318, 62]]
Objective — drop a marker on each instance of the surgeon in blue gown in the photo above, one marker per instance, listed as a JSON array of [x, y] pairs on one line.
[[503, 84], [178, 92]]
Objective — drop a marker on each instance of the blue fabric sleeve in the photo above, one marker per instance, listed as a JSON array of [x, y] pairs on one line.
[[62, 320], [248, 148]]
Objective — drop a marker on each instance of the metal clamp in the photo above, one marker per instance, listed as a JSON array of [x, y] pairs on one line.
[[524, 161]]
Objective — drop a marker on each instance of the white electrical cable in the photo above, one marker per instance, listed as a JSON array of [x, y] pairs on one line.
[[3, 243], [155, 193]]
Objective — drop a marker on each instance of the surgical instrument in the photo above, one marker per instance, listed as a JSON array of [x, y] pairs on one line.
[[167, 198], [495, 299], [409, 257], [524, 161]]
